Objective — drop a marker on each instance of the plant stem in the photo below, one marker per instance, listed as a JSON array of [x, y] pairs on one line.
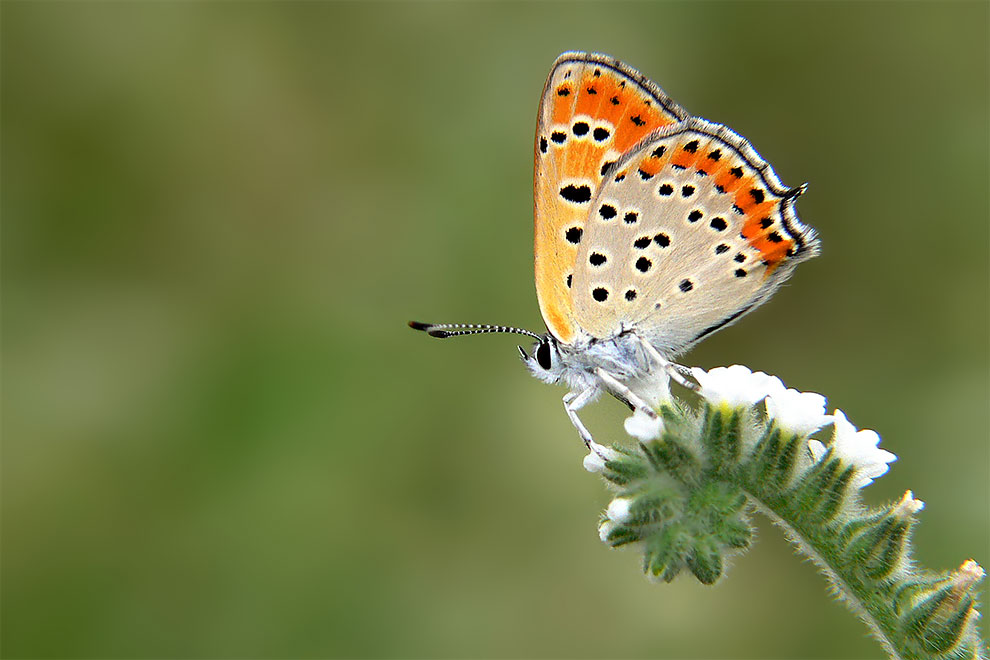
[[846, 593]]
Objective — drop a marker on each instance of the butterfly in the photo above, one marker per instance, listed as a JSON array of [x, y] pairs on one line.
[[653, 230]]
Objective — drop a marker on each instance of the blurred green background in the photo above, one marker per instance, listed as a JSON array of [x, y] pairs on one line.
[[219, 437]]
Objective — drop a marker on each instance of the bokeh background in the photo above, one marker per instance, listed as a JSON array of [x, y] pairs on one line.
[[219, 437]]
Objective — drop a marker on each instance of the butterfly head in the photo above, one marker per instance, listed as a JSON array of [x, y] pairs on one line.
[[545, 362]]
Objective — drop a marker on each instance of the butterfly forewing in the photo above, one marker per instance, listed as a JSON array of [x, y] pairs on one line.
[[688, 232], [594, 109]]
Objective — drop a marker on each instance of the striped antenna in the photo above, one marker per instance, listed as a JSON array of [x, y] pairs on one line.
[[444, 330]]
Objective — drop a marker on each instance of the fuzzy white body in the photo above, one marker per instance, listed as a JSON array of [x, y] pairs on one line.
[[576, 364], [626, 366]]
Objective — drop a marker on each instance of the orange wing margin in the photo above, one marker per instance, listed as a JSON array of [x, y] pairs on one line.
[[594, 108]]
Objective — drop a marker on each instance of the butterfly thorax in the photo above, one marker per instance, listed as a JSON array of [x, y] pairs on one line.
[[575, 363]]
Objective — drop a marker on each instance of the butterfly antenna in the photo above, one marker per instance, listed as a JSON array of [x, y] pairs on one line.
[[444, 330]]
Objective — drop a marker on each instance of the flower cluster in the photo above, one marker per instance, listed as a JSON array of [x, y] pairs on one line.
[[798, 413]]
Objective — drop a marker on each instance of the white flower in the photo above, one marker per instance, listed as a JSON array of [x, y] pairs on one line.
[[969, 574], [618, 510], [605, 529], [598, 454], [907, 506], [735, 386], [643, 427], [654, 388], [817, 449], [856, 448], [802, 413]]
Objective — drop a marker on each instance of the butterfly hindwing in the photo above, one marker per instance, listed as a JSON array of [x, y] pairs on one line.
[[688, 232], [594, 109]]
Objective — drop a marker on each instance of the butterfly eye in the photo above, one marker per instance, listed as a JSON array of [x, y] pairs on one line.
[[543, 355]]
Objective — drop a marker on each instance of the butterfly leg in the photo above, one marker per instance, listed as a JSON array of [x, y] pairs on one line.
[[621, 390], [672, 368], [574, 401]]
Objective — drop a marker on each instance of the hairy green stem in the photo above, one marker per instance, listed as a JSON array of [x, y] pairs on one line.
[[846, 593]]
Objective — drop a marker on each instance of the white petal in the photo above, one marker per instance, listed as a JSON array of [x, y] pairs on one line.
[[841, 425], [907, 506], [643, 427], [802, 413], [735, 386], [618, 510], [654, 388], [817, 449], [859, 449], [594, 461], [605, 529], [969, 574]]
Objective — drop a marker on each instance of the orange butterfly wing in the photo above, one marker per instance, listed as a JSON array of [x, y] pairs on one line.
[[594, 108]]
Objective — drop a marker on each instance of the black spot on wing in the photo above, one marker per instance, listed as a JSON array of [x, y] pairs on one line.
[[577, 194]]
